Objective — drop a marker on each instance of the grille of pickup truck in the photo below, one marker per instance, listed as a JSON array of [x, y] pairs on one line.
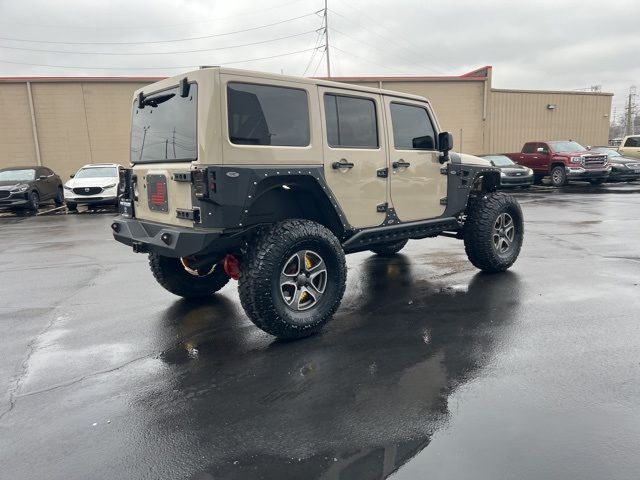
[[87, 190], [594, 161]]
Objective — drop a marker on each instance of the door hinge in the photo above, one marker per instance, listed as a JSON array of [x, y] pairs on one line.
[[381, 208], [182, 177], [193, 215], [443, 201], [382, 172]]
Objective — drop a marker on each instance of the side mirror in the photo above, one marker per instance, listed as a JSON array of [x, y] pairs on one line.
[[72, 175], [540, 150], [445, 143]]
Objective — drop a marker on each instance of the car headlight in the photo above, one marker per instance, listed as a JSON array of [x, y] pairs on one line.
[[66, 187], [529, 171], [19, 188], [110, 186], [576, 159], [502, 174]]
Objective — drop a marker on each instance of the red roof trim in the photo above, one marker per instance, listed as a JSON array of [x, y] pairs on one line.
[[81, 79], [474, 75]]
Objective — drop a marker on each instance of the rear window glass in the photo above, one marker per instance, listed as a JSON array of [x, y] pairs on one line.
[[267, 115], [165, 128], [351, 122]]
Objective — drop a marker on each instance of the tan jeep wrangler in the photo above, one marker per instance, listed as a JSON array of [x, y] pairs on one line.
[[270, 180]]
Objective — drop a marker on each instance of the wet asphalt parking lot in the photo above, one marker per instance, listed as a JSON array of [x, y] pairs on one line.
[[429, 369]]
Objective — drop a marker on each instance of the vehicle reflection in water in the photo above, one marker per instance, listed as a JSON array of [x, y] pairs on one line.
[[357, 401]]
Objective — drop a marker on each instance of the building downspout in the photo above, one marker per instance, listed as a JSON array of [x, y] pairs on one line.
[[34, 127]]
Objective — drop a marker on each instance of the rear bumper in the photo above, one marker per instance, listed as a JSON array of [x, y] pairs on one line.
[[171, 241]]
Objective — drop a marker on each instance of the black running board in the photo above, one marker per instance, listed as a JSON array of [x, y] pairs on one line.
[[389, 233]]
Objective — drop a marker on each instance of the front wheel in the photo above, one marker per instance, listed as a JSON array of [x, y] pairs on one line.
[[493, 231], [59, 198], [558, 176], [182, 277], [292, 278], [34, 202], [389, 249]]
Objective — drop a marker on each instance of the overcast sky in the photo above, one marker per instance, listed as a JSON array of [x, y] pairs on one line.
[[546, 44]]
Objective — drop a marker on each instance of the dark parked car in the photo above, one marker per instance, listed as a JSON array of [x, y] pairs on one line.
[[28, 187], [511, 174], [624, 169]]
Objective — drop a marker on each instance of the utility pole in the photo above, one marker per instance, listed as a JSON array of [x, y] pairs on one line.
[[629, 112], [326, 37]]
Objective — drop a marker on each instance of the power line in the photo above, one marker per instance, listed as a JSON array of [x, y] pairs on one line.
[[155, 26], [163, 41], [315, 51], [369, 61], [324, 52], [162, 53], [152, 68]]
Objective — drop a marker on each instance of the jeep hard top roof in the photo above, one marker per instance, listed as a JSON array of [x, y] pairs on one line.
[[205, 72]]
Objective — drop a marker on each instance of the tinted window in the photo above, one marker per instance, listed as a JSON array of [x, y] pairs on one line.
[[165, 128], [351, 122], [412, 129], [632, 142], [267, 115], [529, 148]]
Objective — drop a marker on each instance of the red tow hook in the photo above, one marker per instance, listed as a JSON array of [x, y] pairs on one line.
[[232, 266]]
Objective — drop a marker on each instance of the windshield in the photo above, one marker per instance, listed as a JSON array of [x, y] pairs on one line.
[[97, 172], [499, 160], [608, 151], [18, 175], [165, 128], [560, 147]]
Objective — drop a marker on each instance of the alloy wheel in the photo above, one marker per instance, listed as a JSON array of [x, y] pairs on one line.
[[503, 233], [303, 280]]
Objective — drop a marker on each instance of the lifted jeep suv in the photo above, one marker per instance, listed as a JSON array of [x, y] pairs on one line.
[[270, 180]]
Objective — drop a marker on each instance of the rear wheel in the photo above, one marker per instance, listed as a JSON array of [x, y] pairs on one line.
[[293, 278], [389, 249], [34, 202], [558, 176], [493, 231], [59, 199], [182, 277]]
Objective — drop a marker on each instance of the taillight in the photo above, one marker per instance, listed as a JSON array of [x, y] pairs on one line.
[[157, 192]]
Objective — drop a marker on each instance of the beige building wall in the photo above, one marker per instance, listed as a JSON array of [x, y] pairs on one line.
[[80, 120], [16, 135], [518, 116]]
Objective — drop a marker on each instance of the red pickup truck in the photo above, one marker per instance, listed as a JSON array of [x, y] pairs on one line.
[[563, 160]]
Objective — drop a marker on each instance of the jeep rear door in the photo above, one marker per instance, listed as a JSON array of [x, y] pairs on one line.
[[418, 188], [355, 153]]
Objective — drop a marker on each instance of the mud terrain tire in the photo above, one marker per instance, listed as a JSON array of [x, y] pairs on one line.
[[172, 275], [389, 249]]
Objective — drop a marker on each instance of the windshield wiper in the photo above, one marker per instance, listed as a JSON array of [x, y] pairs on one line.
[[154, 101]]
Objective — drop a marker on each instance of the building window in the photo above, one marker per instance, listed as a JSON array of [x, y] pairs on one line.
[[351, 122], [267, 115]]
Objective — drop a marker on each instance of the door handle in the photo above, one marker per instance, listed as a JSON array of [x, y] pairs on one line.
[[342, 164], [400, 164]]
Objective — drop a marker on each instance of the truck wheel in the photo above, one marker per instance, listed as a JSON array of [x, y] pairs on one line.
[[493, 231], [292, 278], [176, 276], [558, 176], [389, 249]]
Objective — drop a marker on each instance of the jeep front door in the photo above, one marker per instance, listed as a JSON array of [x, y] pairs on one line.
[[355, 154], [418, 188]]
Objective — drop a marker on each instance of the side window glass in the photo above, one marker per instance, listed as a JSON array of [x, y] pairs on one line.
[[529, 148], [632, 142], [267, 115], [412, 128], [351, 122], [544, 148]]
